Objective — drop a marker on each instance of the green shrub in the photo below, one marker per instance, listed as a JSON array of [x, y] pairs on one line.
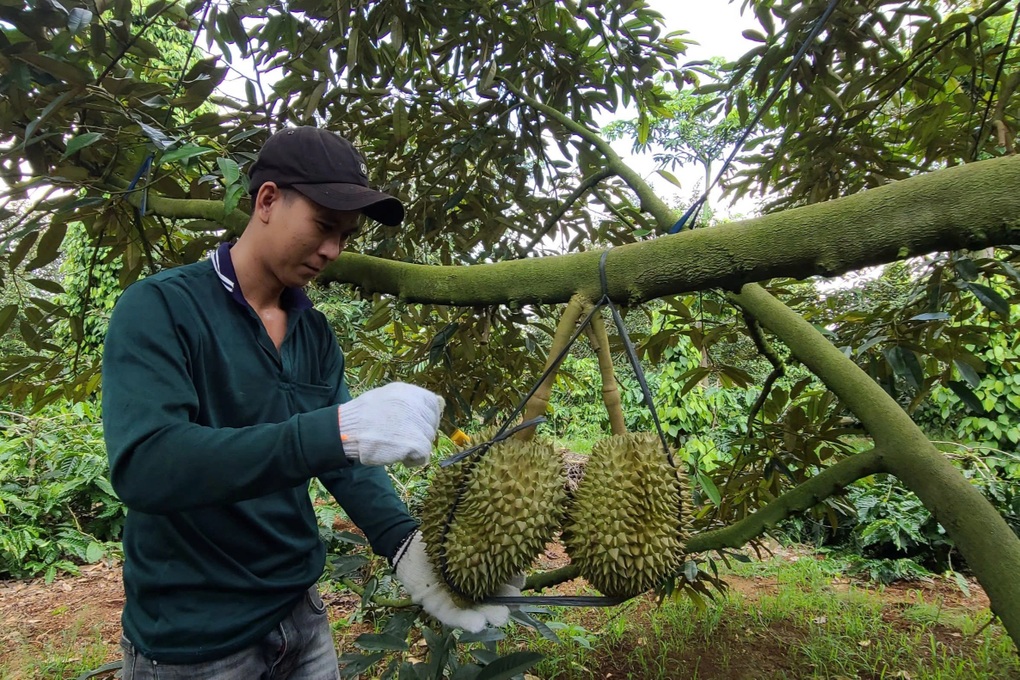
[[57, 508]]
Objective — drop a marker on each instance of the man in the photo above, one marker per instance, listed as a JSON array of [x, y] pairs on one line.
[[223, 395]]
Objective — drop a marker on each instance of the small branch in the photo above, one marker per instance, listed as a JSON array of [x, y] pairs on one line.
[[829, 481], [184, 208], [586, 184], [539, 401], [130, 43], [766, 350], [650, 202], [547, 579]]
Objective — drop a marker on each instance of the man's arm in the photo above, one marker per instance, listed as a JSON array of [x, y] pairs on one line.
[[163, 462], [364, 492]]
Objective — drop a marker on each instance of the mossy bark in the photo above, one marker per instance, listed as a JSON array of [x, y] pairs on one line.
[[990, 547], [965, 207]]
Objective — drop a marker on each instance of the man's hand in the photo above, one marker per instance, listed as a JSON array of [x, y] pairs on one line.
[[425, 586], [395, 423]]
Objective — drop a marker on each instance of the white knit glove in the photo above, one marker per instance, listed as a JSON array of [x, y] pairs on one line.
[[425, 586], [395, 423]]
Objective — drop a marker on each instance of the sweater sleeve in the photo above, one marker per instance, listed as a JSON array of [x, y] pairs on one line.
[[366, 492], [160, 458]]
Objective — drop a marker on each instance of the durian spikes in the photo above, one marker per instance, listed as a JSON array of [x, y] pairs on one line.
[[509, 503], [629, 516]]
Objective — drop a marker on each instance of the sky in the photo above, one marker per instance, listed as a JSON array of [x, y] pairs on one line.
[[717, 26]]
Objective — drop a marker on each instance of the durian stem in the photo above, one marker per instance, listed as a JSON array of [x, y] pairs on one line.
[[539, 401], [599, 339]]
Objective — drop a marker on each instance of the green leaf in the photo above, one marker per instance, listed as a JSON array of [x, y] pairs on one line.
[[183, 153], [989, 298], [352, 665], [7, 316], [47, 112], [62, 70], [931, 316], [466, 672], [368, 593], [80, 142], [47, 285], [380, 642], [48, 248], [347, 564], [157, 137], [967, 372], [905, 364], [961, 583], [232, 197], [527, 619], [510, 665], [77, 19], [94, 552], [967, 268], [352, 538], [231, 172], [485, 635], [709, 487], [400, 624], [1010, 270], [670, 177], [968, 398]]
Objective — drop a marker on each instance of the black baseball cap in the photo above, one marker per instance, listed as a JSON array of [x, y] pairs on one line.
[[325, 168]]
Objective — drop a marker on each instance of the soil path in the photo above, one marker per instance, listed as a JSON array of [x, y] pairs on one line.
[[58, 619]]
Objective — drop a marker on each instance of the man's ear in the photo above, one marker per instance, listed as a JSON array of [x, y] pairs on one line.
[[268, 196]]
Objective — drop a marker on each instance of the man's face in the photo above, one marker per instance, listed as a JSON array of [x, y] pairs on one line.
[[302, 236]]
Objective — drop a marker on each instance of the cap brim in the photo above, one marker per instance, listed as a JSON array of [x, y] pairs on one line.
[[377, 205]]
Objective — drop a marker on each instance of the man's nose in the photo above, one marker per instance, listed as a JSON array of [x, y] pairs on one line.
[[332, 247]]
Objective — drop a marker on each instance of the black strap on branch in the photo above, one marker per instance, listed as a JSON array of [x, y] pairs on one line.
[[560, 600], [475, 453]]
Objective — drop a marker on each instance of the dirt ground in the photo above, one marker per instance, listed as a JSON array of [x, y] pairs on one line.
[[37, 618]]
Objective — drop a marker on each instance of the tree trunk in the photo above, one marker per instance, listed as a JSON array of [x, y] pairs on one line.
[[990, 547]]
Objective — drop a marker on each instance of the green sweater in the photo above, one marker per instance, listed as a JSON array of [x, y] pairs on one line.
[[213, 435]]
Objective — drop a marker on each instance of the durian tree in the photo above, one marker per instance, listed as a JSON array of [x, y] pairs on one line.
[[894, 139]]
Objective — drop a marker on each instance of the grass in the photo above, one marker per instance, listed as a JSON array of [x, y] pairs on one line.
[[801, 624], [76, 650], [783, 619]]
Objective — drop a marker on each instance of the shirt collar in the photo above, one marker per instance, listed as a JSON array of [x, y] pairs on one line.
[[291, 298]]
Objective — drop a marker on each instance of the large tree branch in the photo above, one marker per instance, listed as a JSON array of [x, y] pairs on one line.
[[965, 207], [990, 547]]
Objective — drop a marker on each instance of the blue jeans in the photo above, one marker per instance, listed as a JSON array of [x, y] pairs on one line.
[[299, 648]]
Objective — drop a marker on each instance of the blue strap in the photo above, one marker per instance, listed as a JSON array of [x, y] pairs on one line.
[[691, 214], [144, 169]]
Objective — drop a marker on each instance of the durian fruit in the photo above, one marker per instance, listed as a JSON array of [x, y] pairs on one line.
[[627, 523], [509, 504]]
